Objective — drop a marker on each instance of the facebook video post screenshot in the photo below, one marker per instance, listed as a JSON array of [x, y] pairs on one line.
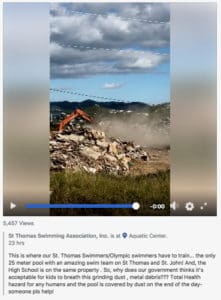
[[110, 150]]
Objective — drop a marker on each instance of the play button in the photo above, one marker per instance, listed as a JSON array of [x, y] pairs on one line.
[[12, 205]]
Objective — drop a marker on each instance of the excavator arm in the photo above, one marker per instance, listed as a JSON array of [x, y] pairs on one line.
[[75, 114]]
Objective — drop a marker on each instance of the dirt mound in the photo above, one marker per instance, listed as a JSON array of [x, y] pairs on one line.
[[87, 149]]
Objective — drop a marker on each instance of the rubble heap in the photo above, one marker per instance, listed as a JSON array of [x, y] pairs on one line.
[[87, 149]]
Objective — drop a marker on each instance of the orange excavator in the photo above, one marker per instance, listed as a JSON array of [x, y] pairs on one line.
[[75, 114]]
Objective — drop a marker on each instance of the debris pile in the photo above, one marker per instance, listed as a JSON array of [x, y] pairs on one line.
[[86, 149]]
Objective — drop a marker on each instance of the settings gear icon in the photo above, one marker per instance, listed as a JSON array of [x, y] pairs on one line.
[[189, 206]]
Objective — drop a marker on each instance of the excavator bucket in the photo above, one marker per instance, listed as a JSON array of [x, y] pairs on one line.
[[74, 115]]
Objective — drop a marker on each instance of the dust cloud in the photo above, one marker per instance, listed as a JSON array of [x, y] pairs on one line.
[[146, 133]]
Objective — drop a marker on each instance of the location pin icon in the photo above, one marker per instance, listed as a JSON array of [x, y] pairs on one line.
[[124, 234]]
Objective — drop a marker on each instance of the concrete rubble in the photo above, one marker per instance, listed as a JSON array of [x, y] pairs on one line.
[[86, 149]]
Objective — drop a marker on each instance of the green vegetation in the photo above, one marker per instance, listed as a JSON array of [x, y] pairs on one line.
[[70, 187]]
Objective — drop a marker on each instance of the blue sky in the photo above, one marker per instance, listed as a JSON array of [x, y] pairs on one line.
[[131, 70]]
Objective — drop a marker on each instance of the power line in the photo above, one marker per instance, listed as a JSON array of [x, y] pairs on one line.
[[111, 49], [71, 92], [120, 17]]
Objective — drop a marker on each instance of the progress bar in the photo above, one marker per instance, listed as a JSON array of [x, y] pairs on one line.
[[134, 205]]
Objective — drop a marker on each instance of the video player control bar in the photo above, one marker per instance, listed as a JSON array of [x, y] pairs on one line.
[[134, 205]]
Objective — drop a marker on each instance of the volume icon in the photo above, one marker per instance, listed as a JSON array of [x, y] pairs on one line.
[[173, 205]]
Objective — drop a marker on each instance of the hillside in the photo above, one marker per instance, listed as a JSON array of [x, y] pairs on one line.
[[86, 104]]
